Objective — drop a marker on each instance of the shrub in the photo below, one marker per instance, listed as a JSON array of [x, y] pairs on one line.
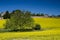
[[37, 27]]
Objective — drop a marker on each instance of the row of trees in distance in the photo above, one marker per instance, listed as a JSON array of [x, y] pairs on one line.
[[7, 14]]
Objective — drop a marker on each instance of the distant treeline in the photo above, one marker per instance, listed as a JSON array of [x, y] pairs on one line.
[[42, 14], [7, 14]]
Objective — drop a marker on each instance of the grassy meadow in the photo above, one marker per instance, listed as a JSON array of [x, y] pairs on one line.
[[52, 33]]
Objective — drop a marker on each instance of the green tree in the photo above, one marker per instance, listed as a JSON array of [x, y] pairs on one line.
[[6, 15], [37, 14], [0, 15], [33, 14], [19, 21], [58, 15], [41, 14]]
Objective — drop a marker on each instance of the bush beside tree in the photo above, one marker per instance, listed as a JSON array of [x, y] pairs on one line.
[[37, 27]]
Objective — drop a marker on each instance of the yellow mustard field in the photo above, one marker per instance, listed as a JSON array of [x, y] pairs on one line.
[[50, 34], [48, 22], [2, 22], [35, 35]]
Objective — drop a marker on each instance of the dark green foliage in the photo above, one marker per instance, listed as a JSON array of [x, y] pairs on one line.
[[53, 16], [20, 21], [0, 15], [58, 15], [37, 27], [33, 14], [37, 14], [41, 14], [6, 15]]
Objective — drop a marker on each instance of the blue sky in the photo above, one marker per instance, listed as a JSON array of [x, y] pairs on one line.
[[35, 6]]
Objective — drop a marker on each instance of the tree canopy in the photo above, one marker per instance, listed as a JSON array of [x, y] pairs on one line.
[[20, 20]]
